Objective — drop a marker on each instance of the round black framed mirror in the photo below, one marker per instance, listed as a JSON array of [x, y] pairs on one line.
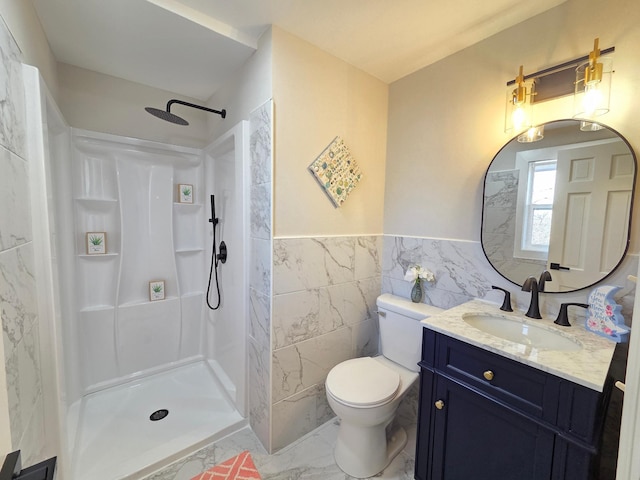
[[561, 204]]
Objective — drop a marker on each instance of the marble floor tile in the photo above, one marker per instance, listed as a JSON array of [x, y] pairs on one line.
[[309, 458]]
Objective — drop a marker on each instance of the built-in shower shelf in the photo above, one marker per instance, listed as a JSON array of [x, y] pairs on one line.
[[97, 308], [145, 302], [99, 256], [190, 250]]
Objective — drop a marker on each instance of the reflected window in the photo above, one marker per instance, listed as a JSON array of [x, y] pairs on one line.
[[539, 206]]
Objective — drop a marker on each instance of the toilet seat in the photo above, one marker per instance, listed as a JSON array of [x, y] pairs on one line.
[[362, 382]]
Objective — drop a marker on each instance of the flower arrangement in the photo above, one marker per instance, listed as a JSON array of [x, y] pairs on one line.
[[416, 274]]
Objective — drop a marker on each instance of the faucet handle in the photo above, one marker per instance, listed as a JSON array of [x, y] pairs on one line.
[[563, 318], [506, 304], [545, 276]]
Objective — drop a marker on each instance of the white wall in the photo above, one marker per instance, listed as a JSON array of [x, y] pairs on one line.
[[317, 97], [446, 120], [106, 104]]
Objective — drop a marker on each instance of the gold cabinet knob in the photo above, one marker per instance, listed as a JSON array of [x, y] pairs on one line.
[[439, 404], [488, 375]]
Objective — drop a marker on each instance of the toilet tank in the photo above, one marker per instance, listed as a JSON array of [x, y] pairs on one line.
[[401, 330]]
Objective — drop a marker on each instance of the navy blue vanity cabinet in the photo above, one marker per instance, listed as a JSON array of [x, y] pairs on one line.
[[483, 416]]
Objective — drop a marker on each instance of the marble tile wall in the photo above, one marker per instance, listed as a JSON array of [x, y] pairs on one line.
[[259, 342], [462, 273], [18, 297], [324, 312]]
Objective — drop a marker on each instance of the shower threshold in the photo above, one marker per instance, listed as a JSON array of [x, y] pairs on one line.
[[131, 430]]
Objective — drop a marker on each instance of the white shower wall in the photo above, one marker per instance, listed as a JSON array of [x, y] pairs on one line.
[[225, 173], [128, 189]]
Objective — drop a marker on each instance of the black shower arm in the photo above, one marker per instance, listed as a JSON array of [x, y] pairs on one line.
[[222, 113]]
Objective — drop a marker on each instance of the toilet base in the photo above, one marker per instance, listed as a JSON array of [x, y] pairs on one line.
[[371, 453]]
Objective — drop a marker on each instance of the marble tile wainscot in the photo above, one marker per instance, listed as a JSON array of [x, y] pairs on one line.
[[463, 273], [260, 214], [324, 312]]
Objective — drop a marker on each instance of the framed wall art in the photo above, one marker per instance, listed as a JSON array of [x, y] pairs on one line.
[[96, 243], [156, 290], [185, 193]]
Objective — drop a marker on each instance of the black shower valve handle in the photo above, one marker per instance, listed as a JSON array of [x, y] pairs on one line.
[[222, 256], [506, 304]]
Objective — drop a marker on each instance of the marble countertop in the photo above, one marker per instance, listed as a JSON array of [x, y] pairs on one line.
[[587, 366]]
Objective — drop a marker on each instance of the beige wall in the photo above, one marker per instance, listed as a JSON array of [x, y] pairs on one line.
[[446, 120], [24, 24], [316, 97], [102, 103]]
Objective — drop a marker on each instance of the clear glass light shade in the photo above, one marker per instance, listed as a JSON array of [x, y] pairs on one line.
[[532, 134], [592, 95], [590, 126], [518, 112]]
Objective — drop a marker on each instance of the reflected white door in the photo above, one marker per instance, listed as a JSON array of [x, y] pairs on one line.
[[590, 213]]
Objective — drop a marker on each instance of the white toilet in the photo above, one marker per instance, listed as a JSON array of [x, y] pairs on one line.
[[365, 392]]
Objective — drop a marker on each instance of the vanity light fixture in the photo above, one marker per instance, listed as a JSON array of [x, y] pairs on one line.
[[587, 78], [519, 112], [518, 108], [592, 87]]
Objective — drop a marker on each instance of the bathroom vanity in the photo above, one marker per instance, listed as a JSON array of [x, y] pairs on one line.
[[499, 406]]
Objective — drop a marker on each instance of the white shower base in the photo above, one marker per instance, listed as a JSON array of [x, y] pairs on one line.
[[116, 439]]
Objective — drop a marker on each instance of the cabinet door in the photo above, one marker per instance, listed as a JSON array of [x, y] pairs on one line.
[[477, 438]]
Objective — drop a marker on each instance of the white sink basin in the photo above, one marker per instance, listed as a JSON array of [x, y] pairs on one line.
[[514, 330]]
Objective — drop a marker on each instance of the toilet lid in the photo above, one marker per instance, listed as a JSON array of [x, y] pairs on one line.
[[362, 382]]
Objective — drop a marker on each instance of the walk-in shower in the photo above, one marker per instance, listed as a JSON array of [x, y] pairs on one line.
[[142, 379]]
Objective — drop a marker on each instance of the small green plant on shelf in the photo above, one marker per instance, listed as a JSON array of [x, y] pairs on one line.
[[95, 240], [96, 243], [185, 193], [156, 290]]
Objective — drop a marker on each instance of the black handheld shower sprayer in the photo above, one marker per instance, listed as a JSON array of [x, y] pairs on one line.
[[173, 118], [216, 258]]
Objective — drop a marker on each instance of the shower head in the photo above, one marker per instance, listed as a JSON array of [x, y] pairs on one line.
[[170, 117], [166, 115]]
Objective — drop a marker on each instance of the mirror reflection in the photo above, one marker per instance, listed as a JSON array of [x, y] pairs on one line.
[[562, 204]]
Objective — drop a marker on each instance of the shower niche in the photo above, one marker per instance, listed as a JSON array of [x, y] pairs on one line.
[[127, 189]]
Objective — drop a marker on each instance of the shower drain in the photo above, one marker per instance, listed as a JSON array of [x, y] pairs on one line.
[[158, 415]]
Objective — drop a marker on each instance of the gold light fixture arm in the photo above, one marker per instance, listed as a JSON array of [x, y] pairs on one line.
[[520, 92], [593, 73]]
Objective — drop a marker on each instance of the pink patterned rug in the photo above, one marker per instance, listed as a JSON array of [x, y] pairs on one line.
[[240, 467]]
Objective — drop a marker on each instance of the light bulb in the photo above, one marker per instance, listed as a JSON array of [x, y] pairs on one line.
[[592, 99], [519, 118]]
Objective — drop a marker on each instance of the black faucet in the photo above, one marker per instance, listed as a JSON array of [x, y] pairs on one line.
[[563, 318], [545, 276], [531, 285], [506, 304]]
